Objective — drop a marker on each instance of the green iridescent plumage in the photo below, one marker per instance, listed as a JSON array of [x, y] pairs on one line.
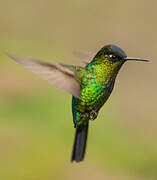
[[90, 86], [97, 81]]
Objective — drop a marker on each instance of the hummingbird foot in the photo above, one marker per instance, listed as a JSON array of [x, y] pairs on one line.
[[93, 115]]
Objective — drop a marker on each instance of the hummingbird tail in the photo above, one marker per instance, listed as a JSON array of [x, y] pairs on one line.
[[79, 146]]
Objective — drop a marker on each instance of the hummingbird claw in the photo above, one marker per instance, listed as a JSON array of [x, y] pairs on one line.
[[93, 115]]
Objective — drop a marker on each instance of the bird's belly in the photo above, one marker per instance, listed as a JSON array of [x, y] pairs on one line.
[[94, 97]]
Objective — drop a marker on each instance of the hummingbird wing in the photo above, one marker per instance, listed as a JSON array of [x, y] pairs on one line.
[[59, 75], [85, 55]]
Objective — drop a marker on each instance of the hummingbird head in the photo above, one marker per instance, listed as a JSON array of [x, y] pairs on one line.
[[111, 58], [115, 54]]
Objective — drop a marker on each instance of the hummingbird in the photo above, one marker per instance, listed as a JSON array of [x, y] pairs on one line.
[[90, 86]]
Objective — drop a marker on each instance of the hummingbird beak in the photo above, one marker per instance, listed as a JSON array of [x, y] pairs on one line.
[[135, 59]]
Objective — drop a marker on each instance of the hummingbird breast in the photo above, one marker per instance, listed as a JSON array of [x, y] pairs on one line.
[[93, 95], [96, 87]]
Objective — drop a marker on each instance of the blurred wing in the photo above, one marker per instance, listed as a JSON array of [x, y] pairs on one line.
[[59, 75], [85, 55]]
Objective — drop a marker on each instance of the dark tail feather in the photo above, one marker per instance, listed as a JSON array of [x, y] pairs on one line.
[[79, 146]]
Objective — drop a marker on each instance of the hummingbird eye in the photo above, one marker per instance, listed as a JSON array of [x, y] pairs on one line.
[[113, 57]]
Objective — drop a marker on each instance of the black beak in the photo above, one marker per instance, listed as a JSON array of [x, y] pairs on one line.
[[135, 59]]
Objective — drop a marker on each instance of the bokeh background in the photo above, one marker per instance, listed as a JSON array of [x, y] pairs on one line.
[[36, 130]]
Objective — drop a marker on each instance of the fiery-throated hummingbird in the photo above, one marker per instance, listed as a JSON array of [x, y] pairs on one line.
[[90, 86]]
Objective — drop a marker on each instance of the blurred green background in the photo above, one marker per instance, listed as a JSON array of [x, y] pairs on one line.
[[36, 130]]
